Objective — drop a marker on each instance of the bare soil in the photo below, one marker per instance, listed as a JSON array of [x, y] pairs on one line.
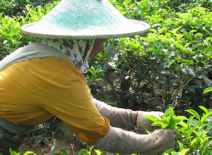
[[44, 149]]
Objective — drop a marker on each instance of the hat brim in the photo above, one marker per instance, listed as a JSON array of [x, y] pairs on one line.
[[134, 27]]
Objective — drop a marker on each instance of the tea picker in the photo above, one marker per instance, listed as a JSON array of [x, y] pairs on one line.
[[45, 80]]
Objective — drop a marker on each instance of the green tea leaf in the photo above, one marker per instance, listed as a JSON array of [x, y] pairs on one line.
[[90, 150], [181, 147], [168, 151], [183, 124], [184, 151], [205, 116], [206, 90], [98, 152], [189, 122], [13, 152], [195, 123], [192, 31], [194, 113], [29, 153], [63, 152], [152, 118], [209, 127], [197, 134], [158, 124], [181, 118], [204, 109], [195, 140]]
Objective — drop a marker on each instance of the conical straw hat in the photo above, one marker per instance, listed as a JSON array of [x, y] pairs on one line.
[[85, 19]]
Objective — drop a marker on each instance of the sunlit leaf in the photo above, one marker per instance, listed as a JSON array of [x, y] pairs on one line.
[[204, 109], [181, 118], [206, 90], [205, 116], [174, 153], [184, 151], [183, 124], [29, 153], [152, 118], [194, 113], [158, 124]]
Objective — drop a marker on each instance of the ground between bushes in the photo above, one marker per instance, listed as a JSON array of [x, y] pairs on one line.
[[44, 149]]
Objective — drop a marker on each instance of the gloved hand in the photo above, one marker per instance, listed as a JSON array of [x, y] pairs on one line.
[[127, 142], [144, 122]]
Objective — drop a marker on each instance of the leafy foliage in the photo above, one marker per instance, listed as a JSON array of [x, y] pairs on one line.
[[15, 7], [206, 90], [174, 57], [192, 132], [10, 29]]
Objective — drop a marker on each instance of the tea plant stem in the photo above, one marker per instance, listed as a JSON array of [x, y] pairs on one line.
[[153, 91], [174, 103], [113, 88], [128, 64]]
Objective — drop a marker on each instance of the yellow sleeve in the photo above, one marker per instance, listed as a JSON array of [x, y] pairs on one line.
[[33, 91], [71, 101]]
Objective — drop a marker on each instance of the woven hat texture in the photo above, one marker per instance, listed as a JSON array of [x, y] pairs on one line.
[[85, 19]]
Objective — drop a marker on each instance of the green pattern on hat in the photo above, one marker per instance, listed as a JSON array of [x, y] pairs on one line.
[[85, 19]]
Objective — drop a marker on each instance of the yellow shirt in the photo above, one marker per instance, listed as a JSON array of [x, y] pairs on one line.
[[33, 91]]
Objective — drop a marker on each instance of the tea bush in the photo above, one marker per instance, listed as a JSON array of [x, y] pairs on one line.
[[11, 37], [174, 56], [15, 7], [193, 133]]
